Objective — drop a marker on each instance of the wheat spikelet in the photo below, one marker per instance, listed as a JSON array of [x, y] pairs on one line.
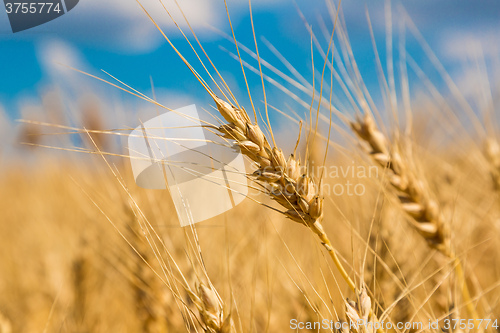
[[211, 310], [359, 311]]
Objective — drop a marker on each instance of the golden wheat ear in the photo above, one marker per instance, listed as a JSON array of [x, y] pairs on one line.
[[289, 183]]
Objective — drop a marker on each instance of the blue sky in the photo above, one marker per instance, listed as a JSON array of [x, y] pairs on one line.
[[116, 36]]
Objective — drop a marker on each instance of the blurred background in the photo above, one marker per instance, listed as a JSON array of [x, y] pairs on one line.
[[117, 37]]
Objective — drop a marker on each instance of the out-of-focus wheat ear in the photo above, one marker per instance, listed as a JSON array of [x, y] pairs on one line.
[[413, 195], [492, 153], [211, 310], [92, 120], [80, 288], [5, 325], [411, 192], [146, 286], [29, 134]]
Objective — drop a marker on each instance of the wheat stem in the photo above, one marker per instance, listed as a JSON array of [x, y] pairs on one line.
[[464, 289], [336, 260]]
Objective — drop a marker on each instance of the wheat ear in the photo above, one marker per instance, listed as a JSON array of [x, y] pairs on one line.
[[290, 184], [425, 214]]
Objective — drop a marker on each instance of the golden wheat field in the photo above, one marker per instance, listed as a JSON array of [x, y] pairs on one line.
[[365, 210]]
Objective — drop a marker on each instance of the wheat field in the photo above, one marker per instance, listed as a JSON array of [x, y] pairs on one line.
[[377, 209]]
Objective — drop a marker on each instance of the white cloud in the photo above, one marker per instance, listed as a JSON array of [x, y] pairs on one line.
[[473, 58], [73, 86], [4, 123], [54, 57], [467, 45]]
